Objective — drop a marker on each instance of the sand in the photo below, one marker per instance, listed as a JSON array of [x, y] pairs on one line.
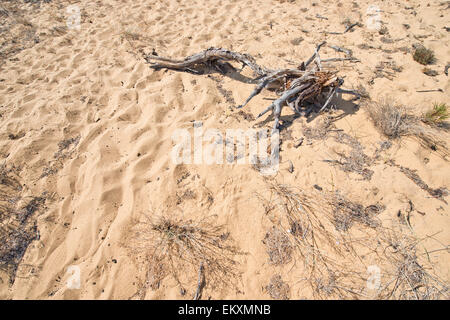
[[93, 86]]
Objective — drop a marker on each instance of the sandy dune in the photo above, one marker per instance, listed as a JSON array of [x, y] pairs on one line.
[[89, 126]]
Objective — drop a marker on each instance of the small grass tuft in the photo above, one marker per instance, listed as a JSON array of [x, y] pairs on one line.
[[407, 278], [395, 121], [424, 56], [438, 115]]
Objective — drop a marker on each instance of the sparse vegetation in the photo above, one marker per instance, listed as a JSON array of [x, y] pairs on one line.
[[130, 35], [17, 222], [346, 212], [438, 193], [308, 219], [320, 225], [424, 56], [438, 115], [320, 249], [408, 279], [356, 160], [295, 211], [321, 130], [277, 288], [395, 121], [180, 246], [430, 72]]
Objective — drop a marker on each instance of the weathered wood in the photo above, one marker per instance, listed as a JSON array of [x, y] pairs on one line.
[[340, 49], [347, 29], [351, 26], [206, 58], [297, 88]]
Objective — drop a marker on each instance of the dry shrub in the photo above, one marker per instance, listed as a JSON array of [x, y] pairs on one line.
[[424, 56], [326, 285], [177, 247], [337, 239], [278, 246], [430, 72], [302, 216], [391, 120], [395, 121], [277, 288], [312, 235], [156, 273], [355, 160], [438, 115], [403, 274], [408, 278], [346, 212], [344, 283], [17, 222]]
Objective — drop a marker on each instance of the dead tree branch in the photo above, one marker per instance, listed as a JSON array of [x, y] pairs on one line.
[[298, 88]]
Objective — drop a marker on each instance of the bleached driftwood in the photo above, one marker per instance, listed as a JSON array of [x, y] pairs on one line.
[[299, 88]]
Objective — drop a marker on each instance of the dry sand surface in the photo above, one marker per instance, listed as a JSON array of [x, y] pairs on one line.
[[88, 182]]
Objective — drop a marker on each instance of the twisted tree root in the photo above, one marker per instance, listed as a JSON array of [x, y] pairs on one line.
[[297, 88]]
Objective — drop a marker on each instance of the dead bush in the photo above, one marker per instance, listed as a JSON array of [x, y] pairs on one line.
[[277, 288], [180, 246], [18, 226], [424, 56], [408, 278]]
